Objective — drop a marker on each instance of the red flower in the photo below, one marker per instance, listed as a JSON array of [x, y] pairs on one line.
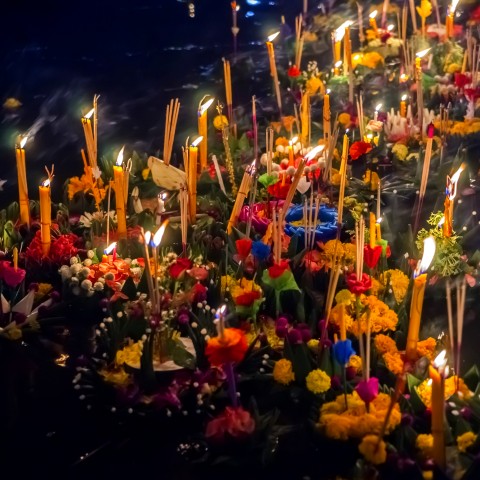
[[358, 149], [294, 72], [10, 276], [278, 190], [461, 80], [367, 389], [233, 423], [198, 273], [359, 286], [229, 347], [278, 269], [246, 299], [179, 267], [199, 292], [244, 245], [372, 255]]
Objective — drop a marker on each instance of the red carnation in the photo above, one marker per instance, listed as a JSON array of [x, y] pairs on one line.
[[372, 255], [229, 347], [277, 269], [244, 245], [177, 269], [233, 423], [294, 71], [359, 286], [358, 149], [461, 80]]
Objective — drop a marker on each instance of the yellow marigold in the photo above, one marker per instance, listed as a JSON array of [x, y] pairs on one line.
[[374, 449], [333, 247], [337, 426], [344, 296], [356, 59], [398, 282], [288, 122], [426, 348], [424, 443], [145, 173], [117, 376], [453, 68], [314, 85], [349, 253], [313, 343], [130, 354], [424, 390], [372, 60], [43, 289], [75, 185], [282, 372], [356, 363], [376, 288], [220, 121], [382, 318], [335, 318], [335, 177], [385, 344], [345, 119], [394, 362], [318, 381], [400, 151], [465, 441], [281, 141]]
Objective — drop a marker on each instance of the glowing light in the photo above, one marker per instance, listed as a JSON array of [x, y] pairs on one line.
[[441, 222], [340, 31], [157, 238], [273, 36], [404, 97], [428, 254], [205, 106], [338, 64], [379, 220], [197, 141], [110, 248], [422, 53], [221, 310], [314, 152], [46, 183], [120, 156], [293, 141], [390, 27], [452, 182], [90, 113], [147, 236], [378, 107], [23, 141], [373, 14], [440, 360], [453, 6]]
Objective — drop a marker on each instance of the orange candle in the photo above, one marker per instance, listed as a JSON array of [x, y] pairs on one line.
[[373, 22], [343, 327], [327, 124], [436, 372], [203, 131], [192, 177], [291, 153], [403, 106], [372, 230], [45, 215], [23, 201], [416, 305], [449, 24], [120, 201], [449, 201]]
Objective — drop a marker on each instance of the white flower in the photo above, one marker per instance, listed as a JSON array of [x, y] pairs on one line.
[[86, 284], [90, 254], [98, 286], [73, 260], [75, 268], [65, 272], [87, 262]]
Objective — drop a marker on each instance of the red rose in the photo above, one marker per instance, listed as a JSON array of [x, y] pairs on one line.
[[294, 71], [359, 286], [247, 298], [358, 149], [198, 273], [234, 422], [278, 269], [244, 245], [372, 255], [179, 267]]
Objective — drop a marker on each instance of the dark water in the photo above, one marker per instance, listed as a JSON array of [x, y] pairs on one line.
[[136, 54]]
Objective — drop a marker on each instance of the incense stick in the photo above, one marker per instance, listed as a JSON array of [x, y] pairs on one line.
[[171, 118]]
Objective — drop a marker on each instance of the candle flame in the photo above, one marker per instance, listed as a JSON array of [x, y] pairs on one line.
[[404, 97], [197, 141], [110, 248], [157, 238], [452, 182], [147, 236], [379, 220], [338, 64], [453, 6], [428, 254], [441, 222], [23, 141], [378, 107], [440, 360], [390, 27], [430, 381], [422, 53], [120, 156], [328, 91], [221, 310], [293, 141], [373, 14], [90, 113], [273, 36], [46, 183], [205, 106], [314, 152], [162, 196]]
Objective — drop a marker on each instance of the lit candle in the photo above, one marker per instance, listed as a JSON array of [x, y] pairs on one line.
[[449, 201], [347, 48], [450, 18], [235, 29], [305, 116], [89, 138], [119, 181], [327, 124], [377, 109], [403, 106], [337, 37], [45, 215], [148, 271], [343, 178], [111, 249], [203, 131], [192, 177], [378, 229], [373, 22], [416, 306], [437, 377], [291, 153], [372, 230], [156, 241], [273, 68], [337, 67], [23, 201], [160, 207]]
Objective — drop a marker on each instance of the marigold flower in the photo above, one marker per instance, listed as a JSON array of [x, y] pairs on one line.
[[424, 390], [373, 449], [314, 85], [220, 121], [424, 442], [229, 347], [398, 282], [400, 151], [318, 381], [283, 372], [385, 344], [465, 441], [355, 363]]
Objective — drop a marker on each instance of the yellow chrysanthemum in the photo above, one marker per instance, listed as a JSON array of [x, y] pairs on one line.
[[398, 282], [43, 290], [374, 449], [372, 60], [349, 253], [424, 390], [318, 381], [314, 85], [345, 119], [283, 372], [400, 151], [356, 363], [424, 443], [344, 296], [465, 441], [313, 344], [281, 141]]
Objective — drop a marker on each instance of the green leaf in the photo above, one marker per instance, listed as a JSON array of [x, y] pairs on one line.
[[286, 281], [472, 377], [182, 357], [267, 180]]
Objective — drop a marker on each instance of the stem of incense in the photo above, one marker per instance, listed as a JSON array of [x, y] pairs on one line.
[[293, 187], [343, 177], [148, 270], [413, 15], [461, 292], [229, 160], [269, 144], [361, 35], [171, 118], [108, 210]]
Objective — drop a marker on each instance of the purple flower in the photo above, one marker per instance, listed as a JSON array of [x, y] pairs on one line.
[[343, 351], [183, 317], [367, 389], [335, 382], [281, 327], [305, 332], [294, 336]]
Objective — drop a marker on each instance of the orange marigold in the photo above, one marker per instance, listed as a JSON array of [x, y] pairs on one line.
[[229, 347]]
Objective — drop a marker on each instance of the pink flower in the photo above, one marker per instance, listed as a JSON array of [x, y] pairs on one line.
[[372, 255], [10, 276], [198, 273], [233, 423], [359, 286], [178, 268], [367, 389]]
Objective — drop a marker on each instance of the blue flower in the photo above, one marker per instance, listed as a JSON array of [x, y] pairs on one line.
[[260, 251], [343, 351]]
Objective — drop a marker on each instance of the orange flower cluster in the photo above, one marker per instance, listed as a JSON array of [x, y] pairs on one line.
[[229, 347]]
